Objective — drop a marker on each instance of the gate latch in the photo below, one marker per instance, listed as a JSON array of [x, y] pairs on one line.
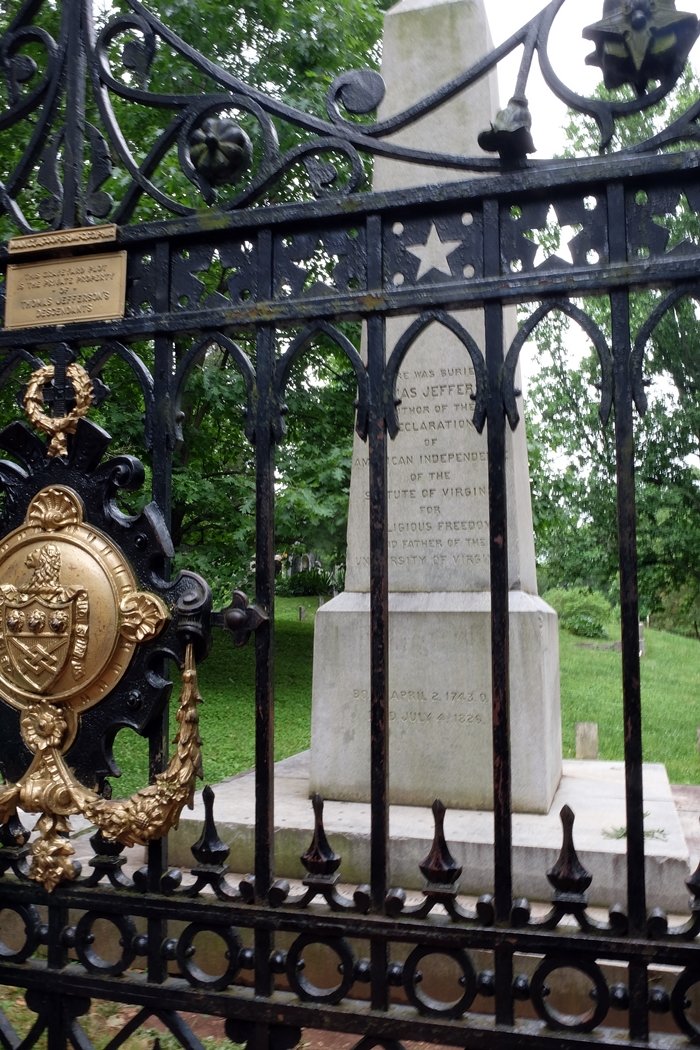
[[239, 618]]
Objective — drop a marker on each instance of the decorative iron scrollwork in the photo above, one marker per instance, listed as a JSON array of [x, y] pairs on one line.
[[556, 1019], [636, 42], [426, 1004]]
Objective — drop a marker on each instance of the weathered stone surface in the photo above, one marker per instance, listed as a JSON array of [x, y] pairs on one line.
[[440, 700], [426, 44], [438, 481], [439, 572], [595, 791], [587, 740]]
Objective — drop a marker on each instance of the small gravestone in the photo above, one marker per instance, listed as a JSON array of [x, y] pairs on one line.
[[302, 612], [587, 740], [304, 563]]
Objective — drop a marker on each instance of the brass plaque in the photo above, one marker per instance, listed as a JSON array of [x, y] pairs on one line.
[[82, 237], [62, 291]]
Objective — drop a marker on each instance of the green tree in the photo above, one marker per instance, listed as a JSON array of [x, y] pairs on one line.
[[292, 51], [572, 455]]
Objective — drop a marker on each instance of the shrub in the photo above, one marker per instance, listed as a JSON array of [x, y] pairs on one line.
[[585, 626], [680, 613], [581, 611], [311, 581]]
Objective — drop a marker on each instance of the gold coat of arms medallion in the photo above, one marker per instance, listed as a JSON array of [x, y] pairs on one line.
[[71, 617], [71, 613]]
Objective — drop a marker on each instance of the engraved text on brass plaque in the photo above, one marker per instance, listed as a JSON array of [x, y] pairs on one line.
[[59, 291], [81, 237]]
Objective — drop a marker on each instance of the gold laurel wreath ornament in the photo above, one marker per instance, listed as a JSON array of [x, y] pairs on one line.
[[57, 428]]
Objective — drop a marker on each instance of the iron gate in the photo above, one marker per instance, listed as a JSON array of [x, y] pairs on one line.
[[63, 485]]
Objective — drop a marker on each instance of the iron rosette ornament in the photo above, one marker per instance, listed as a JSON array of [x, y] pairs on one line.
[[83, 642]]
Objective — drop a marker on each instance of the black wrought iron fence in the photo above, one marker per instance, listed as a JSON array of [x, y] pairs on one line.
[[60, 492]]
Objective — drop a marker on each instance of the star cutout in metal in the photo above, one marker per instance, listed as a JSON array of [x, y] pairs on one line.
[[641, 40], [433, 254]]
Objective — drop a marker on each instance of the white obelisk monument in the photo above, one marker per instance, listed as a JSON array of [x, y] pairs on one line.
[[439, 627]]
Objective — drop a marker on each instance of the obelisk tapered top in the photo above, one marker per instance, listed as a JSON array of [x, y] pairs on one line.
[[416, 5], [428, 43]]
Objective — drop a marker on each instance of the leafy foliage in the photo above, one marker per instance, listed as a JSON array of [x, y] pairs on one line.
[[309, 582], [572, 457], [583, 612], [214, 476]]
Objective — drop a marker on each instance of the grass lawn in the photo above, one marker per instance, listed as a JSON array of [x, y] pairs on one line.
[[590, 692], [227, 716]]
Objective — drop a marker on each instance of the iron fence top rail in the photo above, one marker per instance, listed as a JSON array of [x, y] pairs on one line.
[[435, 931], [514, 289], [580, 175], [527, 193]]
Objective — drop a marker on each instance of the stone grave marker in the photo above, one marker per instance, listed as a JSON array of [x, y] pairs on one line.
[[439, 627], [587, 740]]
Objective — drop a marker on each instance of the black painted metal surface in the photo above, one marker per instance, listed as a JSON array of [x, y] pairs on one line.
[[620, 204]]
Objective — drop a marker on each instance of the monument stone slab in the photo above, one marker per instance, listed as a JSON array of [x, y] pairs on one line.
[[439, 573]]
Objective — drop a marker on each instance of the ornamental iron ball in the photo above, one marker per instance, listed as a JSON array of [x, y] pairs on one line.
[[220, 151]]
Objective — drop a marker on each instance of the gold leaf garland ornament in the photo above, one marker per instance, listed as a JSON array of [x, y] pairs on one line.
[[49, 787], [71, 617], [155, 810], [57, 427]]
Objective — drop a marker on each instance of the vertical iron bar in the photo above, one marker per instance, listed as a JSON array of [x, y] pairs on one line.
[[57, 952], [74, 134], [264, 636], [159, 736], [498, 541], [499, 614], [629, 596], [58, 920], [162, 378], [379, 614], [379, 585], [629, 613], [56, 1035], [496, 432]]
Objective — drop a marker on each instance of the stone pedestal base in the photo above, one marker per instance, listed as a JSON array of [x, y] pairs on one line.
[[440, 700], [594, 790]]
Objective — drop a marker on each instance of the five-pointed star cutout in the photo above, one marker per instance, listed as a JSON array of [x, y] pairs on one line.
[[433, 254]]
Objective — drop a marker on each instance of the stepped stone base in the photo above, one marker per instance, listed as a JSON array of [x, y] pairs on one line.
[[594, 790]]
